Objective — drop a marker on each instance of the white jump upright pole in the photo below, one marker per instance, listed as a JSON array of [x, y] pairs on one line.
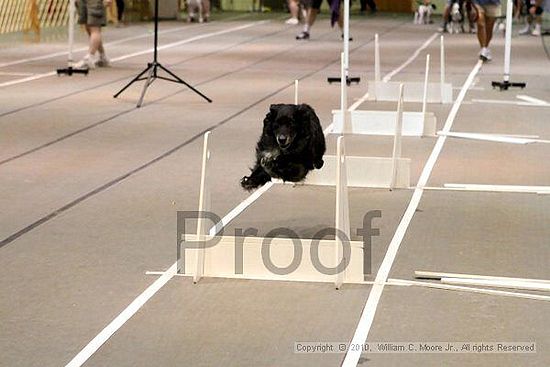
[[342, 207], [442, 69], [296, 91], [346, 40], [425, 95], [377, 76], [505, 84], [69, 70], [204, 206], [397, 138]]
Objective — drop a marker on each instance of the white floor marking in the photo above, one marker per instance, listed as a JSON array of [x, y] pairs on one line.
[[390, 75], [411, 59], [13, 73], [117, 323], [489, 137], [533, 286], [367, 317], [124, 316], [531, 99], [107, 45], [144, 52], [508, 102], [499, 188], [402, 282]]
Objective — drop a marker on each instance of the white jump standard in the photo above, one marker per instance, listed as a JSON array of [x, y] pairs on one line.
[[373, 122], [242, 256], [382, 90]]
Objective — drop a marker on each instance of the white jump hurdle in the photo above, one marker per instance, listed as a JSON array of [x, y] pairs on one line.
[[365, 122], [381, 90], [243, 257]]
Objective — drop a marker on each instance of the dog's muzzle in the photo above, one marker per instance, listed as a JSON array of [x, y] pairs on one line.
[[283, 141]]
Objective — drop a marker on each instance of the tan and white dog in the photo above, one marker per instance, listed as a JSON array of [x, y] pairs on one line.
[[423, 14], [198, 10]]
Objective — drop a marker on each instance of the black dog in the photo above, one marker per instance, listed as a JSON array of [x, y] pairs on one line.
[[291, 145]]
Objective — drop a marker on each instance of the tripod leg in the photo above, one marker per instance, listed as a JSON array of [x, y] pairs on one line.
[[147, 84], [183, 82], [133, 81]]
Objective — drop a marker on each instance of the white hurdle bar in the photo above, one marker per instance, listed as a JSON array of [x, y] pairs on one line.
[[372, 122], [375, 172], [380, 90], [219, 261]]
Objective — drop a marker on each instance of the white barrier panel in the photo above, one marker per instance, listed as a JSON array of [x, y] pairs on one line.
[[383, 123], [375, 172], [315, 260], [224, 259], [414, 91]]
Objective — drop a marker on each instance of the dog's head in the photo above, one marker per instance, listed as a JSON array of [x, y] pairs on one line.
[[285, 122]]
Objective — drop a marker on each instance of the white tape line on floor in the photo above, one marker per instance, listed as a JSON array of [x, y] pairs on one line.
[[367, 316]]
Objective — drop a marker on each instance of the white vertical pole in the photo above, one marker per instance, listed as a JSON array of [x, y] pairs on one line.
[[342, 206], [376, 59], [508, 41], [346, 38], [204, 205], [344, 95], [442, 81], [296, 91], [425, 95], [397, 138], [72, 11]]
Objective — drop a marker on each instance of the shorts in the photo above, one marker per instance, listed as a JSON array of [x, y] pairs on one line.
[[92, 12], [531, 3], [313, 4], [490, 10]]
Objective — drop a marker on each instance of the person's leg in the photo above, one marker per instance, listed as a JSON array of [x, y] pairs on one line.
[[489, 25], [311, 15], [120, 8], [363, 5], [446, 14], [372, 6], [481, 28], [95, 39], [294, 8]]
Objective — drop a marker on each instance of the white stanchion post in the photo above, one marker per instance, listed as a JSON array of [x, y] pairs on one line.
[[342, 207], [344, 96], [397, 138], [508, 41], [72, 13], [346, 40], [425, 96], [377, 76], [204, 206], [442, 68], [296, 91]]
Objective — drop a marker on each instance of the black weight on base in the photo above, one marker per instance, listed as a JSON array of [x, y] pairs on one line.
[[504, 85], [152, 70], [348, 80], [70, 71]]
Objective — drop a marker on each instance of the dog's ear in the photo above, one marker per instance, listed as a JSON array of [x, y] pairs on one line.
[[304, 112], [270, 116]]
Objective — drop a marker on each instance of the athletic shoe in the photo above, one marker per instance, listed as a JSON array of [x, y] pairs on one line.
[[292, 21], [525, 30], [103, 61], [485, 54], [537, 31], [350, 37], [303, 36], [88, 62]]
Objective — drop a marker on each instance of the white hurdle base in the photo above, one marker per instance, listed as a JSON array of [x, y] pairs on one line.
[[383, 123], [414, 91], [219, 260], [374, 172]]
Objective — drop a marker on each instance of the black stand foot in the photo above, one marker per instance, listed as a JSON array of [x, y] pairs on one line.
[[152, 70], [349, 80], [70, 71], [504, 85]]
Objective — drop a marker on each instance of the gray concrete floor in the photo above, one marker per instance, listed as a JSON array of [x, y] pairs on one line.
[[90, 186]]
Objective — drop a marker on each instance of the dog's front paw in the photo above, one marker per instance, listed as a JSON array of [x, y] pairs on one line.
[[319, 164], [248, 184]]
